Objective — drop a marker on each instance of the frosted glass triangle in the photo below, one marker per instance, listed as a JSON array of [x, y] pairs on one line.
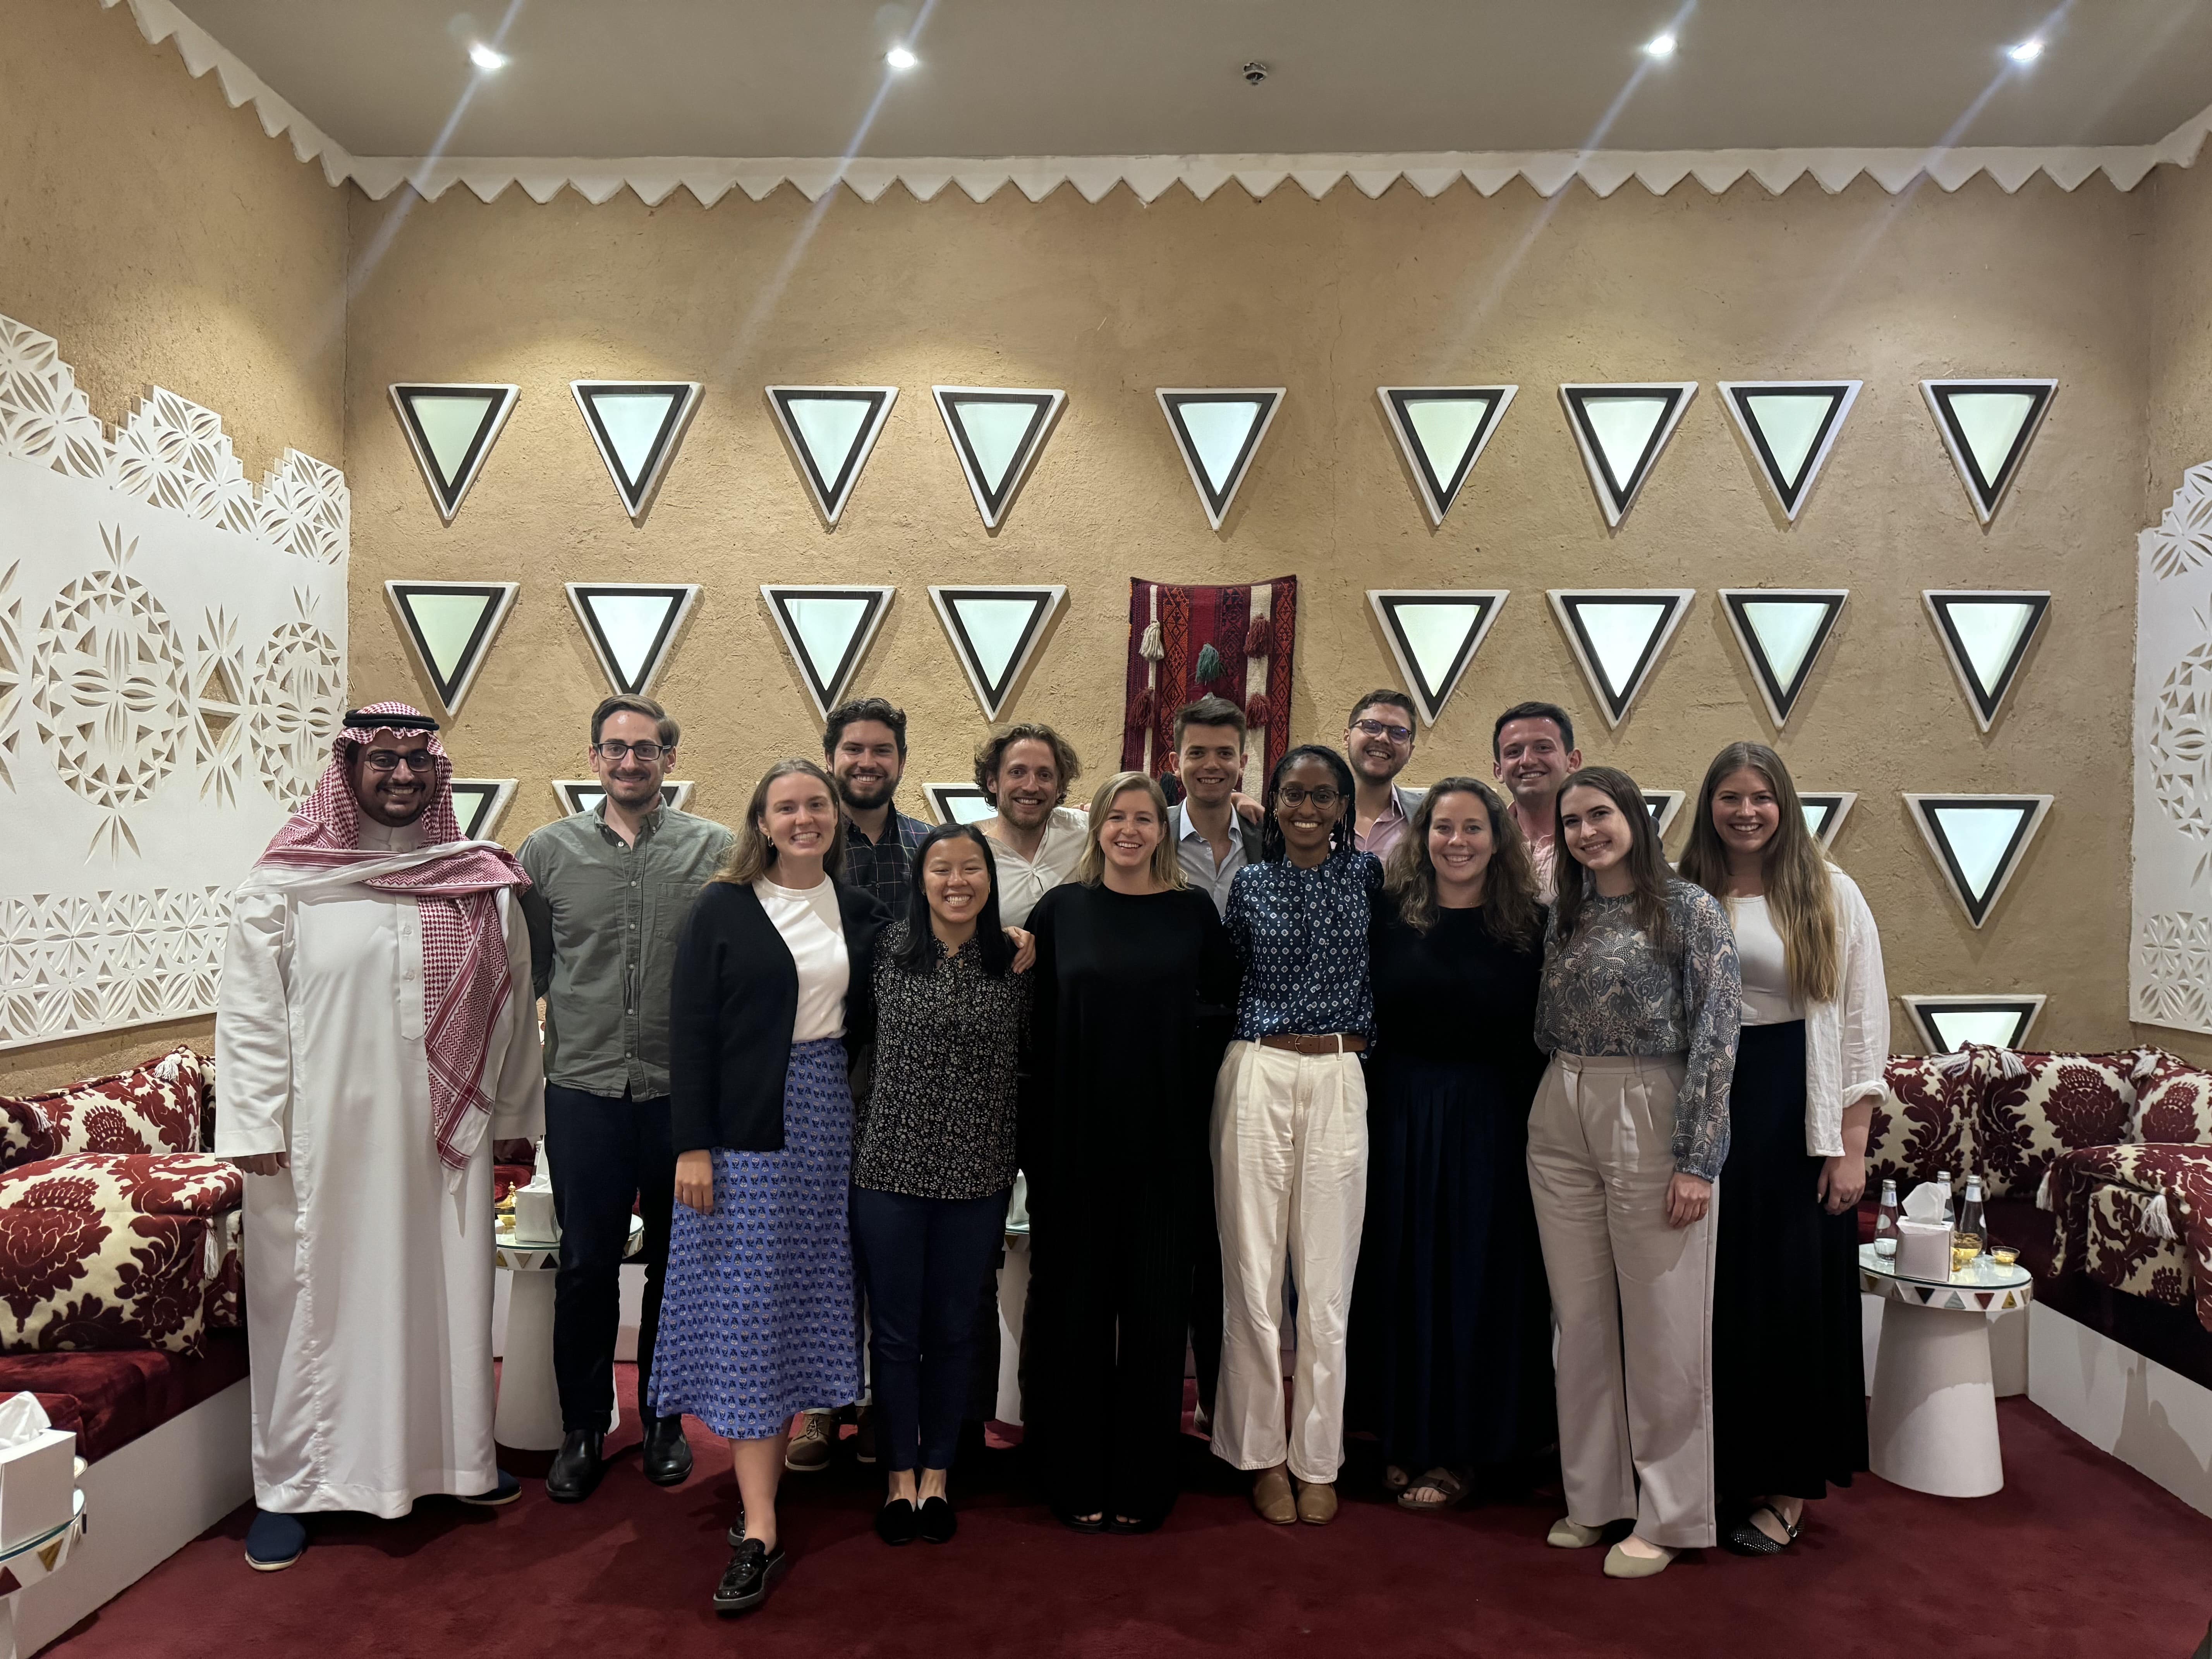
[[1791, 422], [1979, 836], [449, 424], [1616, 635], [1621, 427], [994, 432], [1218, 432], [1446, 428], [826, 628], [1816, 816], [448, 622], [1786, 630], [1954, 1028], [1989, 634], [630, 624], [632, 421], [1988, 424], [828, 427], [994, 629], [1434, 635]]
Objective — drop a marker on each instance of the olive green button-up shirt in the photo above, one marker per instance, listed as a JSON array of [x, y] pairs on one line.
[[603, 921]]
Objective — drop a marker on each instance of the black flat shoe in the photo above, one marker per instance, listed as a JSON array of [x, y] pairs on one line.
[[576, 1467], [1096, 1523], [667, 1453], [937, 1520], [1745, 1537], [752, 1572], [896, 1523]]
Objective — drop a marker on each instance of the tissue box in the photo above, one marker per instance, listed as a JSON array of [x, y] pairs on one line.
[[1923, 1250], [37, 1486]]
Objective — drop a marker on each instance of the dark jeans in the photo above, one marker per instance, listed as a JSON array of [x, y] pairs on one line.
[[922, 1258], [606, 1155]]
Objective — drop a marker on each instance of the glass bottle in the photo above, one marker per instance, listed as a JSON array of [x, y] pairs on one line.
[[1885, 1224], [1943, 1197], [1970, 1238]]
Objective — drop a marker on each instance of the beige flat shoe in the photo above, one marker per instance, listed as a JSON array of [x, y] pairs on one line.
[[1569, 1533], [1271, 1496], [1619, 1564], [1316, 1502]]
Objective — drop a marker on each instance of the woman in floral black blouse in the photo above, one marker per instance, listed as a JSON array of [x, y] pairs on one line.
[[933, 1160]]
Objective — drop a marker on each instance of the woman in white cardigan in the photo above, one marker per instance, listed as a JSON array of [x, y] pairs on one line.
[[1788, 1382]]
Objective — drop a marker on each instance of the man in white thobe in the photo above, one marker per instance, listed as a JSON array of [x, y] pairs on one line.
[[374, 1033]]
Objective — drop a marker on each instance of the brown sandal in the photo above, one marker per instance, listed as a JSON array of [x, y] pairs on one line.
[[1453, 1486]]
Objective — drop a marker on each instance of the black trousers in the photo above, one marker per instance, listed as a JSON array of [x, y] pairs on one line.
[[606, 1155]]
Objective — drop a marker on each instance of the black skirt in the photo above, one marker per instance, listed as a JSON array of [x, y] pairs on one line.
[[1449, 1359], [1789, 1372]]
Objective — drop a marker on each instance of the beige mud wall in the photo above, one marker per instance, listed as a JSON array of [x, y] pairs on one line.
[[1328, 299], [162, 238]]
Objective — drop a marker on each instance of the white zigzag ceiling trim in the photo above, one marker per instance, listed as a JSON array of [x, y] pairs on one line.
[[654, 178]]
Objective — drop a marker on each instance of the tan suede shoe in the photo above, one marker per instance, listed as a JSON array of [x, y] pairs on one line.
[[1316, 1502], [1271, 1496]]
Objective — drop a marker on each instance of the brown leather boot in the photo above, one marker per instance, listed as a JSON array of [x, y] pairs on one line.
[[1271, 1496], [1316, 1502]]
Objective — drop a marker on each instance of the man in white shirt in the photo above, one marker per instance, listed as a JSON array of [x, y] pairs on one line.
[[1378, 741], [1532, 750], [1025, 772], [1212, 838], [374, 1031]]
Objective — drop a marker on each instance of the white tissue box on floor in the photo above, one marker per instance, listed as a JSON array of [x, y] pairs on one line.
[[37, 1472]]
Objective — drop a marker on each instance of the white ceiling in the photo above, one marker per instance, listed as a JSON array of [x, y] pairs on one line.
[[1108, 77]]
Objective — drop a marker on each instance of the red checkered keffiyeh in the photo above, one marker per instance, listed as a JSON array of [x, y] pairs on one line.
[[465, 979]]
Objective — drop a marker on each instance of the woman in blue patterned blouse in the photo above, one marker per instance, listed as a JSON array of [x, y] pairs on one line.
[[1639, 1009], [1290, 1135]]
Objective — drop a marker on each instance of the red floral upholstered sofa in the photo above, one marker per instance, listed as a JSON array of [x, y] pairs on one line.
[[2097, 1167]]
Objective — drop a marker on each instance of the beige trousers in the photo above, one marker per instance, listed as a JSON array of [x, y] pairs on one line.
[[1290, 1187], [1633, 1297]]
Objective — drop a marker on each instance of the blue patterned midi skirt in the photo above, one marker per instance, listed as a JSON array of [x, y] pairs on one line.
[[758, 1318]]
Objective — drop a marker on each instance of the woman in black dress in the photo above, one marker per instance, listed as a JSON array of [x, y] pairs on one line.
[[1113, 1131], [1451, 1323]]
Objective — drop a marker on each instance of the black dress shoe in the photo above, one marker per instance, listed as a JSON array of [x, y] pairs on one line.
[[896, 1523], [667, 1453], [576, 1467], [937, 1522], [752, 1572]]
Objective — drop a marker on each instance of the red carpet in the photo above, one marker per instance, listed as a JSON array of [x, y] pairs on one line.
[[2079, 1555]]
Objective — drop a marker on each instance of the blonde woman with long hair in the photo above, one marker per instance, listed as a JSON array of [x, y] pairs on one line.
[[1113, 1133], [1789, 1381]]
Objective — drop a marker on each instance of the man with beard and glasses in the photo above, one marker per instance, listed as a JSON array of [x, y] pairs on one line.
[[1025, 771], [1532, 749], [378, 1047], [609, 890], [1378, 741]]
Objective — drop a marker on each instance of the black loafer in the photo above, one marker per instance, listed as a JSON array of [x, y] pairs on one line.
[[752, 1572], [667, 1453], [936, 1521], [897, 1523], [576, 1467]]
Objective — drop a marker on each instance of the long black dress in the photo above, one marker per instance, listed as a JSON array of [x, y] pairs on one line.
[[1451, 1322], [1114, 1120]]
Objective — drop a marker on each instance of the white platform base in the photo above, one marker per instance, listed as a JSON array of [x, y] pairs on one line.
[[143, 1504], [2007, 1346], [2154, 1420], [1932, 1422]]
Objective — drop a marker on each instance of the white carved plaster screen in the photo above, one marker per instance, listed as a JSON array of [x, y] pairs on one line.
[[172, 671], [2170, 958]]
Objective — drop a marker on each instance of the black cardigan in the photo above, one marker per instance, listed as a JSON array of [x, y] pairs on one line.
[[732, 1009]]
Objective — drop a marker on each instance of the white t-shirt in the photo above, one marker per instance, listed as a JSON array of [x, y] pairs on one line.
[[811, 925], [1766, 963], [1022, 882]]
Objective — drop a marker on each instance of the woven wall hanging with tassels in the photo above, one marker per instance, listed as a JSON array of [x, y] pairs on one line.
[[1186, 642]]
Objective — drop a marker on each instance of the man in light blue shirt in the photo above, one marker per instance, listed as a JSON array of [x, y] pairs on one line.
[[1212, 838]]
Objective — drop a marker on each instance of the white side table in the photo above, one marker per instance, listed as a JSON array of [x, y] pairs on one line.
[[1932, 1424], [528, 1417], [34, 1560]]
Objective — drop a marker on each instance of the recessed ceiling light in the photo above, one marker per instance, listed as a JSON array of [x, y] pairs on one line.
[[486, 59], [900, 58], [1659, 45], [2026, 53]]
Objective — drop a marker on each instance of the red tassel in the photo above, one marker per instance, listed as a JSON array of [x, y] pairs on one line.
[[1259, 637], [1256, 712], [1140, 710]]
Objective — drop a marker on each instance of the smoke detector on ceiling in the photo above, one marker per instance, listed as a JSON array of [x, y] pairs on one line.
[[1255, 72]]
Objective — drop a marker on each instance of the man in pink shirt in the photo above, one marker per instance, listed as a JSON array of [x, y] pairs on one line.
[[1532, 750]]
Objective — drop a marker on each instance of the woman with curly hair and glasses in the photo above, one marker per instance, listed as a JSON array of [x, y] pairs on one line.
[[1451, 1324], [1290, 1136]]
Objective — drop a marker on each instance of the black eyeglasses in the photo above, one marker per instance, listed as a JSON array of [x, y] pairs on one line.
[[1295, 795], [614, 749], [385, 760], [1376, 729]]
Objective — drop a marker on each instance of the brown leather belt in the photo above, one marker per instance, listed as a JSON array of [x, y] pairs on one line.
[[1336, 1043]]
